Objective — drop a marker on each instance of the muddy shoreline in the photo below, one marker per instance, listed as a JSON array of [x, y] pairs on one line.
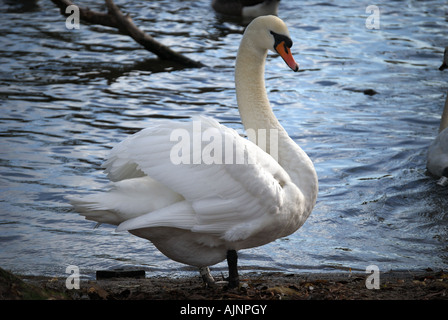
[[427, 285]]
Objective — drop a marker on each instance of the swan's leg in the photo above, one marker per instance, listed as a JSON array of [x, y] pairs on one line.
[[232, 262], [206, 276]]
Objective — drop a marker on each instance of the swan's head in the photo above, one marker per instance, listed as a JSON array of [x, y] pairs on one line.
[[271, 33]]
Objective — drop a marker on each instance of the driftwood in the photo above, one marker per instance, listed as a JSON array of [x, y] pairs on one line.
[[116, 19]]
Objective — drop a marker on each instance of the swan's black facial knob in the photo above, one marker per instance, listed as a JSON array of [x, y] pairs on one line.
[[282, 45]]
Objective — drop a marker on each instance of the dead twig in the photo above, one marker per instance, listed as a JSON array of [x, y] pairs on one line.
[[116, 19]]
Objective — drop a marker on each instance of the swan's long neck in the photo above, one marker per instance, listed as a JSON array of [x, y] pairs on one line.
[[444, 120], [256, 113]]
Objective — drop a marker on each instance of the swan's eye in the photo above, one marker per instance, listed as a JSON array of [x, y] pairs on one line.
[[279, 38]]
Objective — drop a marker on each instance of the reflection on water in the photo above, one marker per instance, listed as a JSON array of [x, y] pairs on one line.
[[365, 108]]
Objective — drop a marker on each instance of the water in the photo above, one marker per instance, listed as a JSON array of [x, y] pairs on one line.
[[68, 96]]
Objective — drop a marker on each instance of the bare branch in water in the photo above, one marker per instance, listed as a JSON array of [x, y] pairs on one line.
[[116, 19]]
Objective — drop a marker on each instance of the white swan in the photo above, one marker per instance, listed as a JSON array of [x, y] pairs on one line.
[[246, 8], [437, 162], [198, 213]]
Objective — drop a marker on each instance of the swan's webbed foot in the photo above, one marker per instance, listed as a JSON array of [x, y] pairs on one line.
[[232, 281], [207, 277]]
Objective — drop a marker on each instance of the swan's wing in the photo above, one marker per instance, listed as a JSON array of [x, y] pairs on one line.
[[231, 200], [120, 164]]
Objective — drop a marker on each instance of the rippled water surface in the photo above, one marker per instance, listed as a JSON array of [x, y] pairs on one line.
[[68, 96]]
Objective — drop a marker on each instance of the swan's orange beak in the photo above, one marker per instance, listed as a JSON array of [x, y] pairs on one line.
[[285, 53]]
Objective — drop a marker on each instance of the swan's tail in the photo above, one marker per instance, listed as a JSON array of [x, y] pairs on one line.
[[92, 207], [125, 200]]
